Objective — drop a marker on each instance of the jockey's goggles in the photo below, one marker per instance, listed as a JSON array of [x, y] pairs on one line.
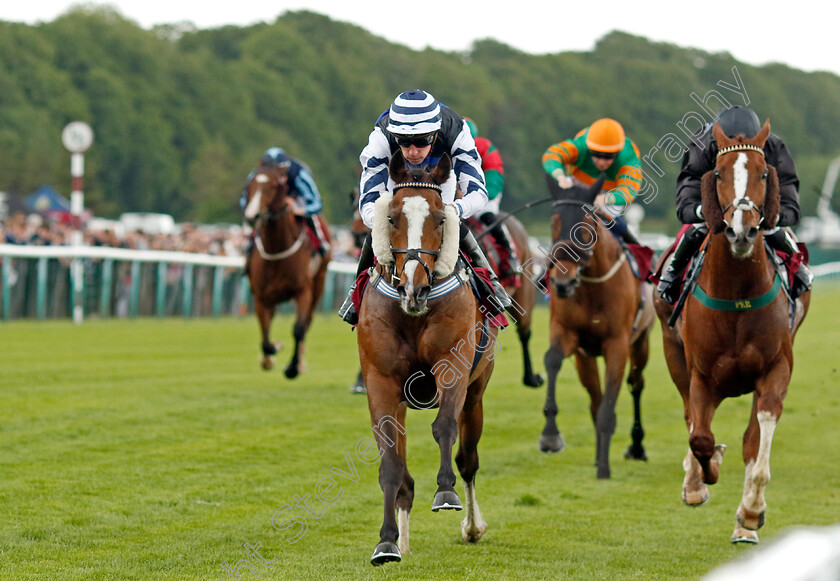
[[415, 140], [604, 154]]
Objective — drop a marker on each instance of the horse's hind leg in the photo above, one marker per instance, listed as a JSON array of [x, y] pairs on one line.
[[405, 494], [551, 440], [638, 360], [523, 330], [303, 302], [269, 350], [470, 426]]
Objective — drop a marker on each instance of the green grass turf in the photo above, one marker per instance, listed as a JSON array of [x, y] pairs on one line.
[[155, 449]]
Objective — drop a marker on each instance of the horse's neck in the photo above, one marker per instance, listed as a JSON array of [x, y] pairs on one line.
[[278, 235], [604, 254], [726, 277]]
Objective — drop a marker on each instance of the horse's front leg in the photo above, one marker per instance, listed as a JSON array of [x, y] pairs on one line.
[[303, 304], [388, 424], [264, 315], [758, 439], [616, 351], [452, 392], [551, 440], [702, 404]]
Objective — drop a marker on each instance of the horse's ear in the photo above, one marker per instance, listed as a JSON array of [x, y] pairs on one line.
[[595, 188], [761, 137], [442, 170], [396, 169], [720, 137], [772, 199], [711, 205]]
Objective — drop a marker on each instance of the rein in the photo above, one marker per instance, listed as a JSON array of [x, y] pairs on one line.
[[279, 255]]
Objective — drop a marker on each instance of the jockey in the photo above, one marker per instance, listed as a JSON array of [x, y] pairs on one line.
[[699, 159], [600, 148], [494, 177], [302, 189], [424, 130]]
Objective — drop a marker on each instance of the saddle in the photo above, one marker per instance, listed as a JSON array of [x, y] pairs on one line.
[[460, 276], [498, 255]]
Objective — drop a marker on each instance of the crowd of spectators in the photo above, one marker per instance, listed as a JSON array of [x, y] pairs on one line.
[[35, 229], [221, 240]]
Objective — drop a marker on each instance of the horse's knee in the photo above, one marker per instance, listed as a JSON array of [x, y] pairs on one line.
[[554, 358], [444, 426], [702, 445]]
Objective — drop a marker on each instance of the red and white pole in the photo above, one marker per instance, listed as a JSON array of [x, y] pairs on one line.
[[77, 138]]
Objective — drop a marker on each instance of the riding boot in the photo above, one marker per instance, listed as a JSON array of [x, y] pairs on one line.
[[501, 300], [669, 283], [500, 233], [347, 311], [622, 231], [323, 245], [803, 278]]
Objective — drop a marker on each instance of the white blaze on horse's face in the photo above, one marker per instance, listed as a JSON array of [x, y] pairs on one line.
[[253, 207], [416, 210], [740, 177]]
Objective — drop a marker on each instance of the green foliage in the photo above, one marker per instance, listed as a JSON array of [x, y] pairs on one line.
[[155, 449], [165, 102]]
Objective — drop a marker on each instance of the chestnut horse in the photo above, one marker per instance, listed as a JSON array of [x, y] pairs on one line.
[[524, 297], [735, 336], [423, 343], [284, 265], [597, 308]]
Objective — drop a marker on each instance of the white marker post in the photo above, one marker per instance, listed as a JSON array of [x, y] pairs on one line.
[[77, 137]]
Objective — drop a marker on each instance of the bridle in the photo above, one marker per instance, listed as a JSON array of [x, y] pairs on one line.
[[744, 204], [269, 214], [414, 253]]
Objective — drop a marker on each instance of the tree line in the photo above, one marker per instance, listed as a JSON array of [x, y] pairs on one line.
[[181, 114]]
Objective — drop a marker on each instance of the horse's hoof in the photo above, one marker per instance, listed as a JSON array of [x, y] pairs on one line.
[[695, 498], [291, 372], [552, 444], [384, 553], [358, 388], [446, 500], [535, 381], [635, 453], [267, 362], [742, 535], [472, 535], [603, 472]]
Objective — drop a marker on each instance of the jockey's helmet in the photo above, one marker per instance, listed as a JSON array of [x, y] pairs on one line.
[[414, 112], [605, 136], [739, 120], [274, 157]]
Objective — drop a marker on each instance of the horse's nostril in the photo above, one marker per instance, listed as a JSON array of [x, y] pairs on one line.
[[423, 292], [753, 232]]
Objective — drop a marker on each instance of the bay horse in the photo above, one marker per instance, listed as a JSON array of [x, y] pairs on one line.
[[523, 296], [597, 308], [423, 343], [734, 336], [283, 265]]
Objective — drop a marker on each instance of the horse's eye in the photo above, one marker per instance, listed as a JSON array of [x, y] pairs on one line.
[[717, 175], [390, 220], [764, 176], [442, 221]]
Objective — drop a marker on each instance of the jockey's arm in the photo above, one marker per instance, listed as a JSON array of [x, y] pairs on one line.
[[308, 192]]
